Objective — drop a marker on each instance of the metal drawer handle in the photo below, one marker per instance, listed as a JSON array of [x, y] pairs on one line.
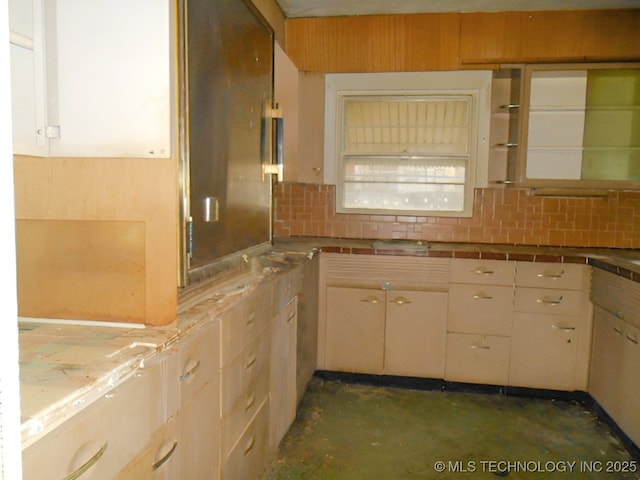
[[548, 301], [618, 330], [251, 362], [632, 338], [400, 301], [480, 347], [88, 464], [620, 314], [482, 271], [568, 329], [251, 318], [482, 296], [192, 371], [165, 457], [371, 299], [550, 275], [250, 444], [250, 401]]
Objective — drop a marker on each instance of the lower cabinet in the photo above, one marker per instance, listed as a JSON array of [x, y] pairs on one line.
[[393, 332], [283, 400], [545, 351], [104, 439], [199, 412], [614, 381]]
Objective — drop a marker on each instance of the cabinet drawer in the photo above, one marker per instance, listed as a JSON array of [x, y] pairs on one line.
[[486, 272], [549, 301], [477, 358], [552, 275], [244, 386], [483, 309], [244, 322], [100, 440], [248, 457], [198, 359]]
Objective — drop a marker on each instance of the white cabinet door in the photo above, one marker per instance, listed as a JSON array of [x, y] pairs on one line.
[[28, 84], [355, 330], [415, 333], [283, 372], [92, 79], [544, 351]]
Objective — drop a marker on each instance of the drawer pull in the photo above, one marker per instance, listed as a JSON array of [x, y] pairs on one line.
[[165, 457], [620, 314], [250, 444], [632, 338], [567, 329], [250, 402], [483, 271], [251, 318], [189, 373], [88, 464], [550, 275], [482, 296], [371, 299], [550, 301], [479, 347], [400, 301], [251, 362], [618, 330]]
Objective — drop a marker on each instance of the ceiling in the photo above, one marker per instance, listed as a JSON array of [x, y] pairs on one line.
[[322, 8]]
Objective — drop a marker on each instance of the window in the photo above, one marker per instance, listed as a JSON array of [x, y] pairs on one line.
[[407, 143]]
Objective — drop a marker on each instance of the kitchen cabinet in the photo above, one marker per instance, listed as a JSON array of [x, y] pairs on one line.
[[551, 335], [307, 328], [383, 315], [245, 384], [577, 124], [103, 438], [479, 321], [393, 332], [90, 92], [199, 413], [549, 36], [283, 400], [613, 379]]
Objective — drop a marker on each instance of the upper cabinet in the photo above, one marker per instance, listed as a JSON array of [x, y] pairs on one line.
[[549, 36], [578, 126], [89, 80]]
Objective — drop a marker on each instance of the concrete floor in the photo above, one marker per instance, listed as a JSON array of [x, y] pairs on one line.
[[353, 431]]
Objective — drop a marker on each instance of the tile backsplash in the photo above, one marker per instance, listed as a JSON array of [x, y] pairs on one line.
[[500, 216]]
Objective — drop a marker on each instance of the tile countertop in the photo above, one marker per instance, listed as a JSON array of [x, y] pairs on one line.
[[66, 366]]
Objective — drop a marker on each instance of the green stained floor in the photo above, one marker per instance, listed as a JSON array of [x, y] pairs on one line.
[[351, 431]]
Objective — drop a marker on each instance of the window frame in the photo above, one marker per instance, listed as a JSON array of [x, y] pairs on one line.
[[476, 84]]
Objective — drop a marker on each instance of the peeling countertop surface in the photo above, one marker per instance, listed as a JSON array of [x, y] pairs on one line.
[[65, 366]]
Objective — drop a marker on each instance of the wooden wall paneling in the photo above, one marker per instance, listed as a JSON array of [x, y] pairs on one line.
[[110, 189], [550, 36], [375, 43], [78, 269]]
